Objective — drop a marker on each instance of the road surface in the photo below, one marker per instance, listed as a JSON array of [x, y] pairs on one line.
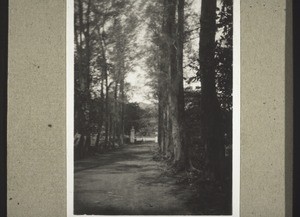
[[128, 181]]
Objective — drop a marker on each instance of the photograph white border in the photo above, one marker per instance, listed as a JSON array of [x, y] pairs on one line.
[[70, 112]]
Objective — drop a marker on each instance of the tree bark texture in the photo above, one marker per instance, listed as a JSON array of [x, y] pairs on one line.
[[211, 116]]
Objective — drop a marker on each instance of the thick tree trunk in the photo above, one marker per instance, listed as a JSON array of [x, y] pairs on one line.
[[169, 32], [163, 84], [211, 132], [181, 151], [176, 84]]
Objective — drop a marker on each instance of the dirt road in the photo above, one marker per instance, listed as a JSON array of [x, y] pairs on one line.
[[127, 182]]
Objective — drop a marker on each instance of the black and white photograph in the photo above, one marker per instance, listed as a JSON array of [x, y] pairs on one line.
[[153, 107]]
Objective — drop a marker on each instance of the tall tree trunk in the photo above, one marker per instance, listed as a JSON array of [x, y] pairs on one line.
[[163, 83], [167, 128], [211, 116], [79, 73], [88, 73], [105, 73], [115, 113], [120, 65], [101, 114], [169, 32], [110, 131], [82, 82], [181, 151], [78, 42], [106, 110], [122, 98], [87, 44], [160, 120], [176, 84], [84, 74]]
